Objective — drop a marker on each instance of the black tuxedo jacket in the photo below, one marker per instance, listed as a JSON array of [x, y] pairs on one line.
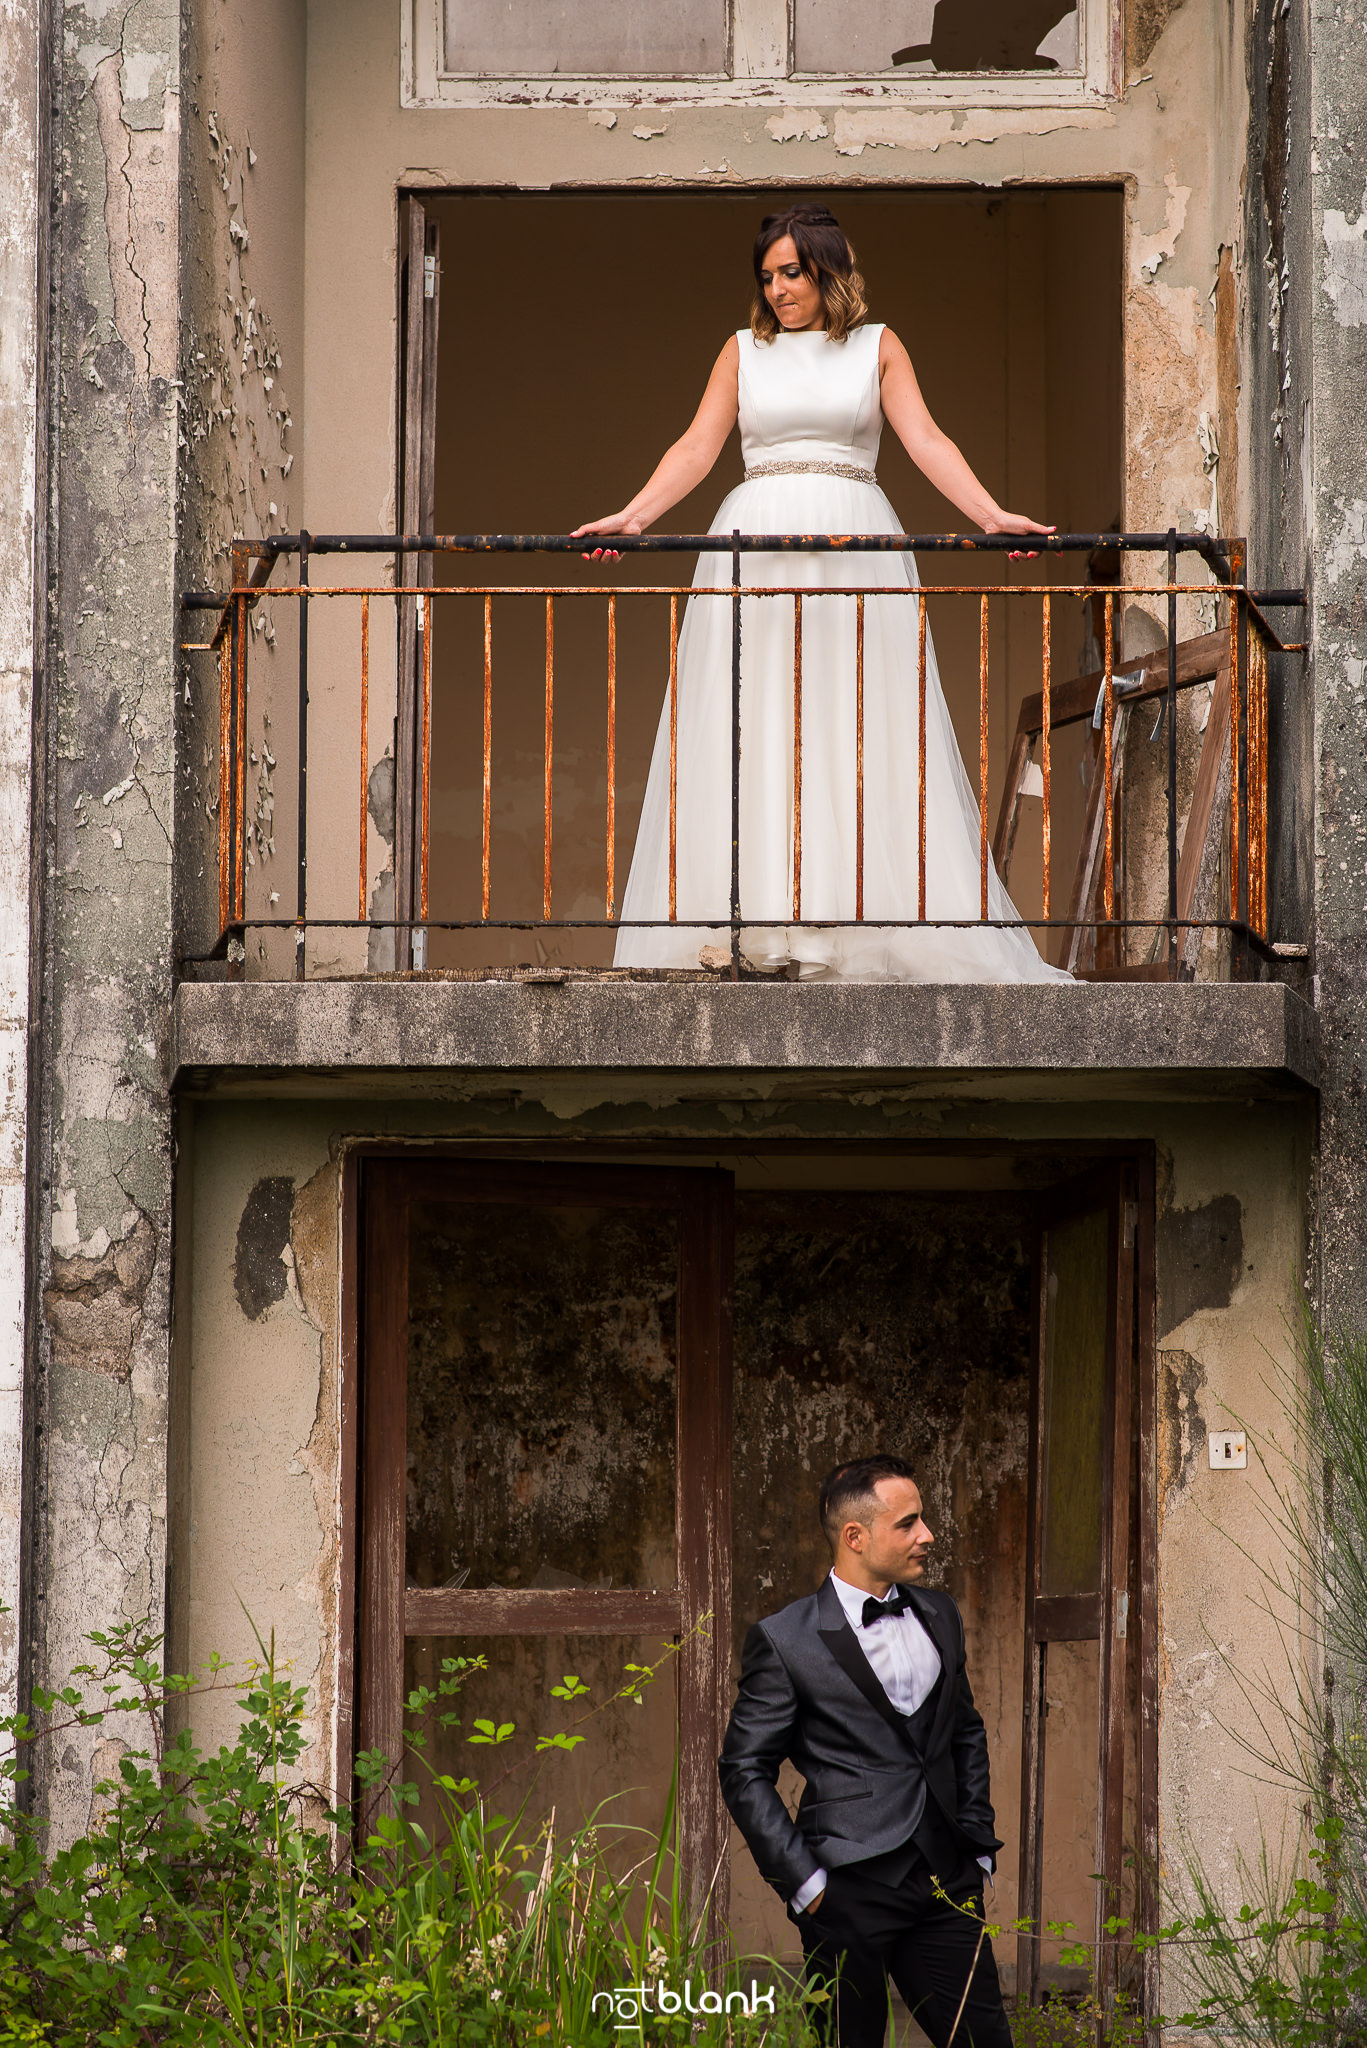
[[808, 1692]]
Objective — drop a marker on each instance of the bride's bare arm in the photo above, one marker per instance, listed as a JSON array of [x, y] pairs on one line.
[[934, 454], [686, 463]]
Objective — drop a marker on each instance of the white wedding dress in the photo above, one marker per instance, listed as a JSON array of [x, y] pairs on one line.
[[806, 404]]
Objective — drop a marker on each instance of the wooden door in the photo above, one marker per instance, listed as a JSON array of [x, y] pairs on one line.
[[1080, 1576], [674, 1225]]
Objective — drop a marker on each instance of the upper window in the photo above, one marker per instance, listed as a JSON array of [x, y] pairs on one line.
[[564, 38], [818, 52]]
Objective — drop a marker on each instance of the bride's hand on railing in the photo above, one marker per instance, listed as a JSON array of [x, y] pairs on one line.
[[1016, 522], [617, 522]]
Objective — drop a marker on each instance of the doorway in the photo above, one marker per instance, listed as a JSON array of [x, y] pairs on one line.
[[597, 1403], [599, 318]]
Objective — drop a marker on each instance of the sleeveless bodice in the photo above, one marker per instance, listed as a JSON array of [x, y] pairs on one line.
[[806, 399]]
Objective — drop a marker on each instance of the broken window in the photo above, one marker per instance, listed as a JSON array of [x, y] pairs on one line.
[[865, 36]]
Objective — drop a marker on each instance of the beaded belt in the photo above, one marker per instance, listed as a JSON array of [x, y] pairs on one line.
[[846, 469]]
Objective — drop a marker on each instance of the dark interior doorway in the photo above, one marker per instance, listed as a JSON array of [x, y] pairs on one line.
[[599, 318], [597, 1404]]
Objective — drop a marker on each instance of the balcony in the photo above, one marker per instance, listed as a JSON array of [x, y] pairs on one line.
[[1137, 852]]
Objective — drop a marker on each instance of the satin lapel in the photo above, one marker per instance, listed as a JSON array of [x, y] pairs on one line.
[[843, 1644], [940, 1634]]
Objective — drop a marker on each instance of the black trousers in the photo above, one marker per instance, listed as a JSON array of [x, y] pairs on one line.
[[868, 1929]]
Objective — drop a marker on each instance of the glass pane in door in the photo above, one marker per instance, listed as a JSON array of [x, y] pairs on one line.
[[541, 1395]]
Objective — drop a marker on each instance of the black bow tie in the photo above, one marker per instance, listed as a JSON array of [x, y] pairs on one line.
[[874, 1610]]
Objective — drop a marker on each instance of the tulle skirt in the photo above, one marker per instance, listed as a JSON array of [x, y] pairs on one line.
[[771, 939]]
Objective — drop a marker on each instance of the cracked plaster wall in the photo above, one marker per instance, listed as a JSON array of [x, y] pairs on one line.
[[100, 1480], [1278, 316], [1232, 1236], [1330, 264], [23, 171], [242, 284], [258, 1478]]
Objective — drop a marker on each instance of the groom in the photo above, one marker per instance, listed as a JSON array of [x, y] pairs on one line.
[[869, 1697]]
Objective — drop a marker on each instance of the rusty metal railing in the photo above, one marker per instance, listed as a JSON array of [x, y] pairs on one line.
[[1231, 776]]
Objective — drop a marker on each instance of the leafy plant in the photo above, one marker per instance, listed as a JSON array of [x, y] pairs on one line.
[[221, 1899]]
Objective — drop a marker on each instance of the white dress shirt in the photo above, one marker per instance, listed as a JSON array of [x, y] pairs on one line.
[[906, 1664]]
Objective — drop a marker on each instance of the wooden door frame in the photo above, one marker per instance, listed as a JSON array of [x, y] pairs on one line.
[[1138, 1154], [386, 1612], [1119, 1623]]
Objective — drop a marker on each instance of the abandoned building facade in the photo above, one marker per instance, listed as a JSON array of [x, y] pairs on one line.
[[384, 1268]]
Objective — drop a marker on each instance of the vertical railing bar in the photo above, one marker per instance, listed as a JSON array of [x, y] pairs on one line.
[[1108, 769], [549, 751], [301, 886], [239, 823], [1258, 657], [1240, 568], [488, 750], [921, 755], [982, 754], [612, 754], [240, 769], [797, 759], [1171, 712], [673, 758], [735, 754], [426, 755], [859, 757], [365, 758], [225, 786], [1234, 716], [1046, 665]]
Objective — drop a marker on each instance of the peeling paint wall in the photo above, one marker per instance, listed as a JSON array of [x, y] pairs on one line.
[[23, 530], [242, 284], [259, 1441], [1330, 265], [1279, 310], [98, 1550], [1232, 1219]]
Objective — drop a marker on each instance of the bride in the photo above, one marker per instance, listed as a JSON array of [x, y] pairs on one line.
[[811, 382]]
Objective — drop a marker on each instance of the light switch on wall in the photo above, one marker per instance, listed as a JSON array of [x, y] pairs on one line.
[[1228, 1450]]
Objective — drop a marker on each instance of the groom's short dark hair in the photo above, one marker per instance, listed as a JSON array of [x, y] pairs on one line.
[[849, 1491]]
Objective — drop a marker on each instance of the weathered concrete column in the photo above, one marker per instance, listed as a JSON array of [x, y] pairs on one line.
[[23, 523], [1336, 284], [100, 1516]]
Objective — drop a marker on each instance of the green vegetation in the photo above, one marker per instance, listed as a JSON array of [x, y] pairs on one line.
[[218, 1899]]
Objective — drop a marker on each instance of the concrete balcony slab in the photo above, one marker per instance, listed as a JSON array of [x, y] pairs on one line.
[[419, 1035]]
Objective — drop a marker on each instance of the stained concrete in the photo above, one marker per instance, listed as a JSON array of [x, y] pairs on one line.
[[1331, 264], [24, 172], [102, 1185], [1092, 1034]]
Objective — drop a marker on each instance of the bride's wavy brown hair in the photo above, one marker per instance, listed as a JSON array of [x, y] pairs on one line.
[[826, 257]]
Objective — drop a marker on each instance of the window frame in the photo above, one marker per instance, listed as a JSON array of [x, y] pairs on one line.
[[760, 73]]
